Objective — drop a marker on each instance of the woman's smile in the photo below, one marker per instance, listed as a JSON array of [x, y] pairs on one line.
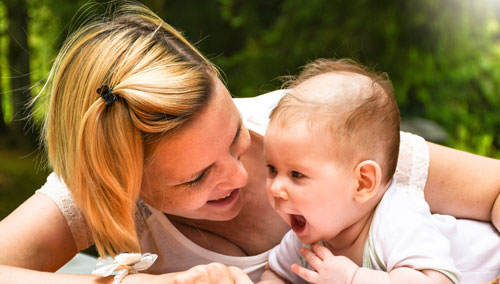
[[229, 199]]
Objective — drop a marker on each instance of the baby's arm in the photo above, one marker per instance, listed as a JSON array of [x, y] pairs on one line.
[[341, 270]]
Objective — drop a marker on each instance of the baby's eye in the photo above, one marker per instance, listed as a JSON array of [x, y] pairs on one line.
[[271, 170], [296, 174]]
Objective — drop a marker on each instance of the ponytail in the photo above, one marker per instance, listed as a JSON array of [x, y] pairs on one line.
[[110, 152]]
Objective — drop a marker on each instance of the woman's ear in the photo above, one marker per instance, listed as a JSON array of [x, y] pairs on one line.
[[368, 174]]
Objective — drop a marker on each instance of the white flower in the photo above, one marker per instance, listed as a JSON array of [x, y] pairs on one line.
[[127, 258], [131, 262]]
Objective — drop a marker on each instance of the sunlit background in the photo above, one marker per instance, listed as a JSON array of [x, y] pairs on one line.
[[443, 57]]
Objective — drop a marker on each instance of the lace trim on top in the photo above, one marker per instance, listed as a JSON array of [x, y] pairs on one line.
[[56, 190], [413, 164]]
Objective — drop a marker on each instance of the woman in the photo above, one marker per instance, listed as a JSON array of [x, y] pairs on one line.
[[159, 160]]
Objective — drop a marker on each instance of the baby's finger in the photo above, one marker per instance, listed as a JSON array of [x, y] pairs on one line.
[[312, 258], [304, 273], [321, 251]]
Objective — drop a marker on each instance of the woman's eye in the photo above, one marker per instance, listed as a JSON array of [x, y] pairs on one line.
[[296, 174], [197, 180]]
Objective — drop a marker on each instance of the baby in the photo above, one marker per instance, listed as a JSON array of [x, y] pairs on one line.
[[331, 147]]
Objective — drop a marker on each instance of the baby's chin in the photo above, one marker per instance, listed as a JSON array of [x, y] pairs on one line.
[[304, 230]]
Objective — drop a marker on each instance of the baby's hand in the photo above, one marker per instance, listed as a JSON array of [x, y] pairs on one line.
[[328, 268]]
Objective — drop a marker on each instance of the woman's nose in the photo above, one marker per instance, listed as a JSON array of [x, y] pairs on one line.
[[278, 189], [235, 172]]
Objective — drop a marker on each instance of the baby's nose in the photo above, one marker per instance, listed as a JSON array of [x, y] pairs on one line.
[[278, 190]]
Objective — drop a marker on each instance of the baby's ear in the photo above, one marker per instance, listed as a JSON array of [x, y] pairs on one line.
[[368, 174]]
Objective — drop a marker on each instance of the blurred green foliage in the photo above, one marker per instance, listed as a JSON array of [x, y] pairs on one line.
[[20, 175], [4, 64], [442, 55]]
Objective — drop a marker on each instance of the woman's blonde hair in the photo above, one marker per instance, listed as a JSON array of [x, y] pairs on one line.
[[160, 81]]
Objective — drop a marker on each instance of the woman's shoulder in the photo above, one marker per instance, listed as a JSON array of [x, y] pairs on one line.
[[255, 110], [413, 162]]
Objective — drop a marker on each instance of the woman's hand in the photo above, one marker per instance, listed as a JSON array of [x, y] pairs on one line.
[[200, 274], [329, 268]]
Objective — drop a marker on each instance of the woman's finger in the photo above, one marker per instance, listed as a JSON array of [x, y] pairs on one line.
[[304, 273], [219, 273], [205, 274], [239, 276]]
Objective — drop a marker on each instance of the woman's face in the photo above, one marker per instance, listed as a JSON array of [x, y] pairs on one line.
[[197, 173]]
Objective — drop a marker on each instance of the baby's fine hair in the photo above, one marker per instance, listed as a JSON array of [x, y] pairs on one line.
[[160, 82], [367, 122]]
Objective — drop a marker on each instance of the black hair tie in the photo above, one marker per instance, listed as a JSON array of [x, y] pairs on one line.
[[107, 94]]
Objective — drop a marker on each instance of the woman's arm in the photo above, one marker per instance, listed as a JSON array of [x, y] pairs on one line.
[[16, 275], [36, 236], [463, 185], [400, 275], [36, 241], [202, 274]]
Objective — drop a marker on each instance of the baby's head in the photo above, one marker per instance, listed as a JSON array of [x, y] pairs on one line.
[[331, 147], [355, 107]]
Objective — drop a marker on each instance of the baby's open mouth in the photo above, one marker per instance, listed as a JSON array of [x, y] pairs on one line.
[[298, 223]]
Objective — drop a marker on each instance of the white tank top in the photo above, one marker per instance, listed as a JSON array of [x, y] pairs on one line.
[[176, 252]]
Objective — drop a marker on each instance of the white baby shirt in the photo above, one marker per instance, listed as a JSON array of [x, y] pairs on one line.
[[404, 233]]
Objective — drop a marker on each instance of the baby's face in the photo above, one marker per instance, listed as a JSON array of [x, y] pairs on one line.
[[305, 185]]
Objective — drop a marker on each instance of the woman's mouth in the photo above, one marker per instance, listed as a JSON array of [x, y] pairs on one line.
[[223, 201], [298, 223]]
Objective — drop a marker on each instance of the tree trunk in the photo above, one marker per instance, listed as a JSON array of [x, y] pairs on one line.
[[23, 128], [3, 126]]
